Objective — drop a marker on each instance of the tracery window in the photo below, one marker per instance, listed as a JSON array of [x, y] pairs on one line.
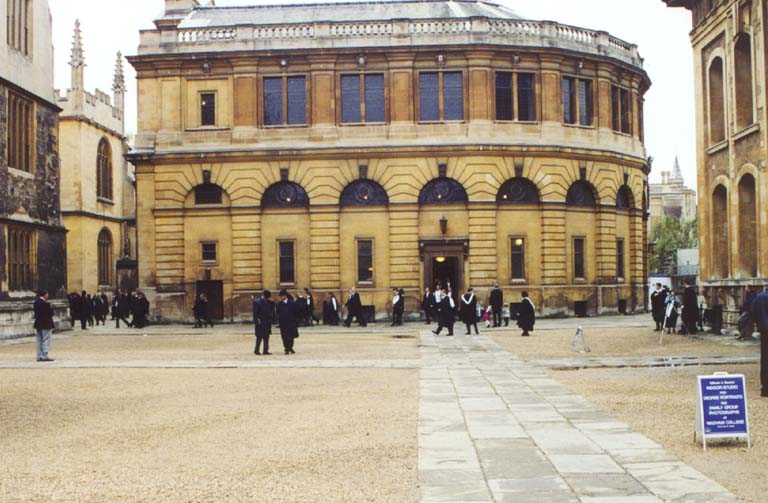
[[285, 195], [581, 193], [443, 191], [364, 193], [105, 257], [21, 259], [104, 170], [20, 132]]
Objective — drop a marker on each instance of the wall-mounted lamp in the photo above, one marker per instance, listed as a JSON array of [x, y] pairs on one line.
[[440, 259], [444, 225]]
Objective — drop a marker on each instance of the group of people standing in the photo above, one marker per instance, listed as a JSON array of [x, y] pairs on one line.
[[94, 309], [266, 312], [667, 308]]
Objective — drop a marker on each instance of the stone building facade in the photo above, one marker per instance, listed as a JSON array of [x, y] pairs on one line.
[[98, 193], [32, 238], [392, 144], [671, 198], [729, 50]]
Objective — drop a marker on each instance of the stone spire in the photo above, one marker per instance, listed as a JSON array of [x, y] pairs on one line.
[[77, 62], [118, 85], [676, 173]]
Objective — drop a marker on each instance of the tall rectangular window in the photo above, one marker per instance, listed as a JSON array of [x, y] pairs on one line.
[[19, 134], [577, 101], [21, 259], [569, 103], [287, 262], [207, 109], [504, 99], [285, 101], [620, 258], [518, 258], [526, 97], [578, 258], [18, 25], [621, 110], [585, 102], [362, 98], [364, 261], [441, 88]]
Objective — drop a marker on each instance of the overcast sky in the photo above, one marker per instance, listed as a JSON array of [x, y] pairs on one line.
[[660, 32]]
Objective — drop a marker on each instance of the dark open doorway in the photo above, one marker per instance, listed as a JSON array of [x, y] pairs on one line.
[[445, 272], [214, 290], [444, 263]]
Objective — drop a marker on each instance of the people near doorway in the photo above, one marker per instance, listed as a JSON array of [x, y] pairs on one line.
[[139, 310], [428, 305], [263, 316], [468, 311], [446, 313], [760, 315], [91, 309], [104, 310], [398, 306], [200, 310], [497, 302], [487, 315], [354, 309], [309, 309], [331, 310], [43, 325], [123, 305], [671, 312], [83, 310], [690, 314], [746, 321], [526, 315], [658, 306], [286, 318], [506, 314]]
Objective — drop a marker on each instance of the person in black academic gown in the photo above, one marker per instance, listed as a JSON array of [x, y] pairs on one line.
[[263, 316], [496, 301], [309, 312], [286, 318], [428, 305], [398, 306], [354, 309], [526, 315], [658, 306], [690, 313], [200, 310], [468, 311], [331, 310], [446, 313]]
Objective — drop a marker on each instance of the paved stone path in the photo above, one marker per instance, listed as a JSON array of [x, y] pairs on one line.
[[495, 429], [205, 364]]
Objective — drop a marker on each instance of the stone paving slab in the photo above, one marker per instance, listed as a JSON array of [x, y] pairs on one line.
[[642, 362], [493, 428], [201, 364]]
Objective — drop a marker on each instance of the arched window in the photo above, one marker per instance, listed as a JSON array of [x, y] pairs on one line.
[[720, 232], [581, 193], [624, 198], [518, 190], [104, 170], [285, 195], [716, 101], [105, 258], [208, 193], [742, 53], [364, 193], [443, 191], [747, 226]]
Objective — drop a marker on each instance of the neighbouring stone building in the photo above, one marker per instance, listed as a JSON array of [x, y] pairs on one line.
[[32, 238], [729, 51], [671, 198], [98, 194], [388, 144]]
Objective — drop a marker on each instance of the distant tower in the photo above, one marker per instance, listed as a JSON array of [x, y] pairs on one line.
[[118, 86], [77, 62], [676, 173]]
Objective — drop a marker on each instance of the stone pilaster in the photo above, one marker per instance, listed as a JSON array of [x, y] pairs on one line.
[[246, 250], [404, 246], [483, 266], [605, 247], [553, 246], [325, 250], [169, 250]]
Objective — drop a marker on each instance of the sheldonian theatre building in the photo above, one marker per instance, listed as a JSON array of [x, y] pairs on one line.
[[387, 144]]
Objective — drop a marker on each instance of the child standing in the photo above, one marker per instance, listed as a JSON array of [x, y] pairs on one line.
[[487, 317], [505, 314]]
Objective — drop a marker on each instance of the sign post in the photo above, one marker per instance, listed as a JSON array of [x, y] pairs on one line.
[[721, 407]]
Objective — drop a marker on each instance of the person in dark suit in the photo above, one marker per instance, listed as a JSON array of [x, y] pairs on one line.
[[286, 318], [398, 306], [263, 316], [658, 306], [468, 311], [428, 305], [122, 308], [526, 315], [200, 310], [760, 315], [446, 313], [331, 310], [354, 309], [497, 302], [43, 325], [310, 308], [690, 314]]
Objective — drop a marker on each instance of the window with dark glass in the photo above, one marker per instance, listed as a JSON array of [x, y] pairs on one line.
[[19, 132], [621, 110], [21, 263], [104, 170], [362, 98], [208, 193], [104, 248], [569, 103], [364, 261], [578, 258], [436, 88], [518, 258], [526, 97], [18, 25], [208, 252], [620, 258], [585, 102], [285, 101], [577, 101], [287, 262], [504, 98], [207, 109], [511, 86]]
